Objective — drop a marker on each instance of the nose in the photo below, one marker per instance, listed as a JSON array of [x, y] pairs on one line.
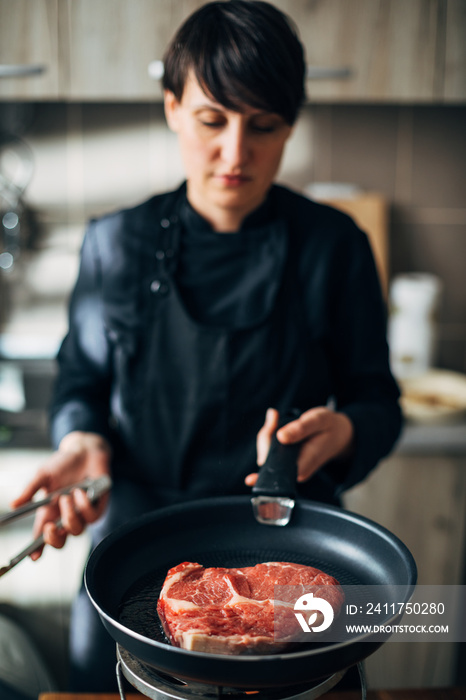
[[235, 146]]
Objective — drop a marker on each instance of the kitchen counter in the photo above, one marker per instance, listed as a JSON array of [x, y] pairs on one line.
[[408, 694], [447, 439]]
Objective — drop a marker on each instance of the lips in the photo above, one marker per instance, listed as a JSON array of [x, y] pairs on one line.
[[234, 180]]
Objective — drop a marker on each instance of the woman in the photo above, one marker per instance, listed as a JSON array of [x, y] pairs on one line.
[[203, 310]]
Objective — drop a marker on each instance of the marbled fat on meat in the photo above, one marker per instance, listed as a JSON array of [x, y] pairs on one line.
[[232, 611]]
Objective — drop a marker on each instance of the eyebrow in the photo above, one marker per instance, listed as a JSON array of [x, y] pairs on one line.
[[212, 107]]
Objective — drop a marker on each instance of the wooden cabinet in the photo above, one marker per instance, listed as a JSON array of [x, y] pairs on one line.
[[391, 47], [90, 49], [454, 83], [395, 51], [112, 42], [29, 38]]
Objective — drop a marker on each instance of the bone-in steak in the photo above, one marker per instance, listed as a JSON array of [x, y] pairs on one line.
[[232, 611]]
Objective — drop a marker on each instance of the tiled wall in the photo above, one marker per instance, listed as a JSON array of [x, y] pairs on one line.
[[90, 158]]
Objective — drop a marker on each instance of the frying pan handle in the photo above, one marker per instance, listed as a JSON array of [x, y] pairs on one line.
[[277, 476]]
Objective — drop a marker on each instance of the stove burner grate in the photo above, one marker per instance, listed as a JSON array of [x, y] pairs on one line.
[[158, 686]]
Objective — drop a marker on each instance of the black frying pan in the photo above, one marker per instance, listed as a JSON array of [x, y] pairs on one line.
[[125, 572]]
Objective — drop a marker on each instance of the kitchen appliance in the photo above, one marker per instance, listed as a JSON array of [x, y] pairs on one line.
[[160, 687]]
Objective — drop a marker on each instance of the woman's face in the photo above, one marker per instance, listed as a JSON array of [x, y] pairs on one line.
[[231, 158]]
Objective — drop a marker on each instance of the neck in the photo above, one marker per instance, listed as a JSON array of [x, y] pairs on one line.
[[221, 219]]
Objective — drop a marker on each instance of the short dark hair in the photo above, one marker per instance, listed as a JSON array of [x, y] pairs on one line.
[[242, 52]]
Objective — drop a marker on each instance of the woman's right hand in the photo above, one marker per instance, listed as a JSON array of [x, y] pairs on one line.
[[79, 456]]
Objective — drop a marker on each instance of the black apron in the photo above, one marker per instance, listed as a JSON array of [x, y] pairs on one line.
[[204, 390]]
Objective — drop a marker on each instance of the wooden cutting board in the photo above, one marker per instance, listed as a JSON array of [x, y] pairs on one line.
[[370, 211]]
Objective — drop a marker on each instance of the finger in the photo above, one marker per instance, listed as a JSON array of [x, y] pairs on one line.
[[88, 511], [313, 455], [40, 481], [309, 423], [44, 515], [251, 479], [51, 476], [264, 436], [54, 536], [335, 439], [37, 554], [70, 516]]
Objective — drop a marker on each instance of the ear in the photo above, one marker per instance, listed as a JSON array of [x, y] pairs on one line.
[[172, 106]]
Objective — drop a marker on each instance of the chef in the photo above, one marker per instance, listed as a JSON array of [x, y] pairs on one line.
[[202, 313]]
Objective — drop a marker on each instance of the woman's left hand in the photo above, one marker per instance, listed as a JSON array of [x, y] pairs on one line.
[[325, 435]]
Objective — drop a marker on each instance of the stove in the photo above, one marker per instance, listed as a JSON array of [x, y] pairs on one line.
[[159, 686]]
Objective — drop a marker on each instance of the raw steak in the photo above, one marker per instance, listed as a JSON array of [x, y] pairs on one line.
[[232, 611]]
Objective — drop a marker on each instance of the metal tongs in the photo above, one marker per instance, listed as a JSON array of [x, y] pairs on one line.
[[94, 488]]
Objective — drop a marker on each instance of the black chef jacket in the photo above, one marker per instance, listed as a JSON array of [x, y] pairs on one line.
[[178, 375]]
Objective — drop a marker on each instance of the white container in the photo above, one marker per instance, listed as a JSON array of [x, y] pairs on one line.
[[412, 328]]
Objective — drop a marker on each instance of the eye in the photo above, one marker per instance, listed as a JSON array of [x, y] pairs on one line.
[[211, 124], [263, 129], [265, 126], [211, 119]]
